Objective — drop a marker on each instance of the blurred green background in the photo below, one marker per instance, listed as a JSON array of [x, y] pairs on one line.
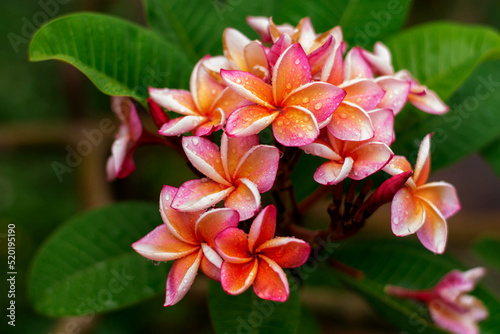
[[46, 106]]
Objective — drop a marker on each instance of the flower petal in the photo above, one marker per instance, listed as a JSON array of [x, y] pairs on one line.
[[181, 125], [428, 101], [234, 43], [181, 224], [380, 60], [397, 165], [423, 164], [205, 156], [322, 149], [262, 228], [318, 57], [442, 195], [452, 321], [214, 123], [229, 101], [278, 48], [249, 120], [271, 282], [333, 68], [245, 199], [233, 149], [259, 165], [355, 66], [176, 100], [256, 60], [161, 245], [320, 98], [291, 71], [368, 159], [209, 269], [434, 231], [332, 172], [204, 88], [352, 123], [297, 126], [125, 110], [212, 222], [287, 252], [198, 195], [232, 245], [213, 65], [237, 277], [249, 87], [364, 93], [181, 276], [407, 213], [383, 125], [396, 93], [211, 255]]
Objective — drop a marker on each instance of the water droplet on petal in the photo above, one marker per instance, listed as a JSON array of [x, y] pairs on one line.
[[195, 141], [297, 61], [289, 86], [318, 106], [238, 81], [305, 100]]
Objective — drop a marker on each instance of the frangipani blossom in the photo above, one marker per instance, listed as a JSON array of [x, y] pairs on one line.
[[237, 174], [352, 159], [189, 239], [420, 207], [257, 258], [204, 108], [419, 95], [120, 163], [293, 104], [449, 305]]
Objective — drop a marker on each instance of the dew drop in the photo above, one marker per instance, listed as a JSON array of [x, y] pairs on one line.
[[213, 92], [297, 61], [305, 99], [238, 81], [195, 141], [318, 106], [289, 86]]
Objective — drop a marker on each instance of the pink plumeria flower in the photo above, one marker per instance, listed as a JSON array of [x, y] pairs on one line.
[[237, 174], [293, 104], [449, 305], [257, 258], [380, 61], [189, 239], [120, 163], [240, 53], [203, 109], [354, 75], [353, 159], [420, 207]]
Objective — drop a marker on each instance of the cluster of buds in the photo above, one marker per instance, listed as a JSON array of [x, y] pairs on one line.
[[318, 98]]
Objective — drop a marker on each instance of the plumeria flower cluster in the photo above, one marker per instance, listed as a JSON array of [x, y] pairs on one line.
[[318, 97]]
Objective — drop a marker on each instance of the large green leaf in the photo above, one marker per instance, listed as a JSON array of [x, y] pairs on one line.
[[197, 26], [472, 122], [89, 266], [119, 57], [408, 265], [492, 155], [443, 55], [247, 313]]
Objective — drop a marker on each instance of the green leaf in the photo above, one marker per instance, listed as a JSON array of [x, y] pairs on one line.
[[119, 57], [247, 313], [411, 266], [308, 323], [487, 249], [443, 55], [472, 122], [491, 154], [89, 266]]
